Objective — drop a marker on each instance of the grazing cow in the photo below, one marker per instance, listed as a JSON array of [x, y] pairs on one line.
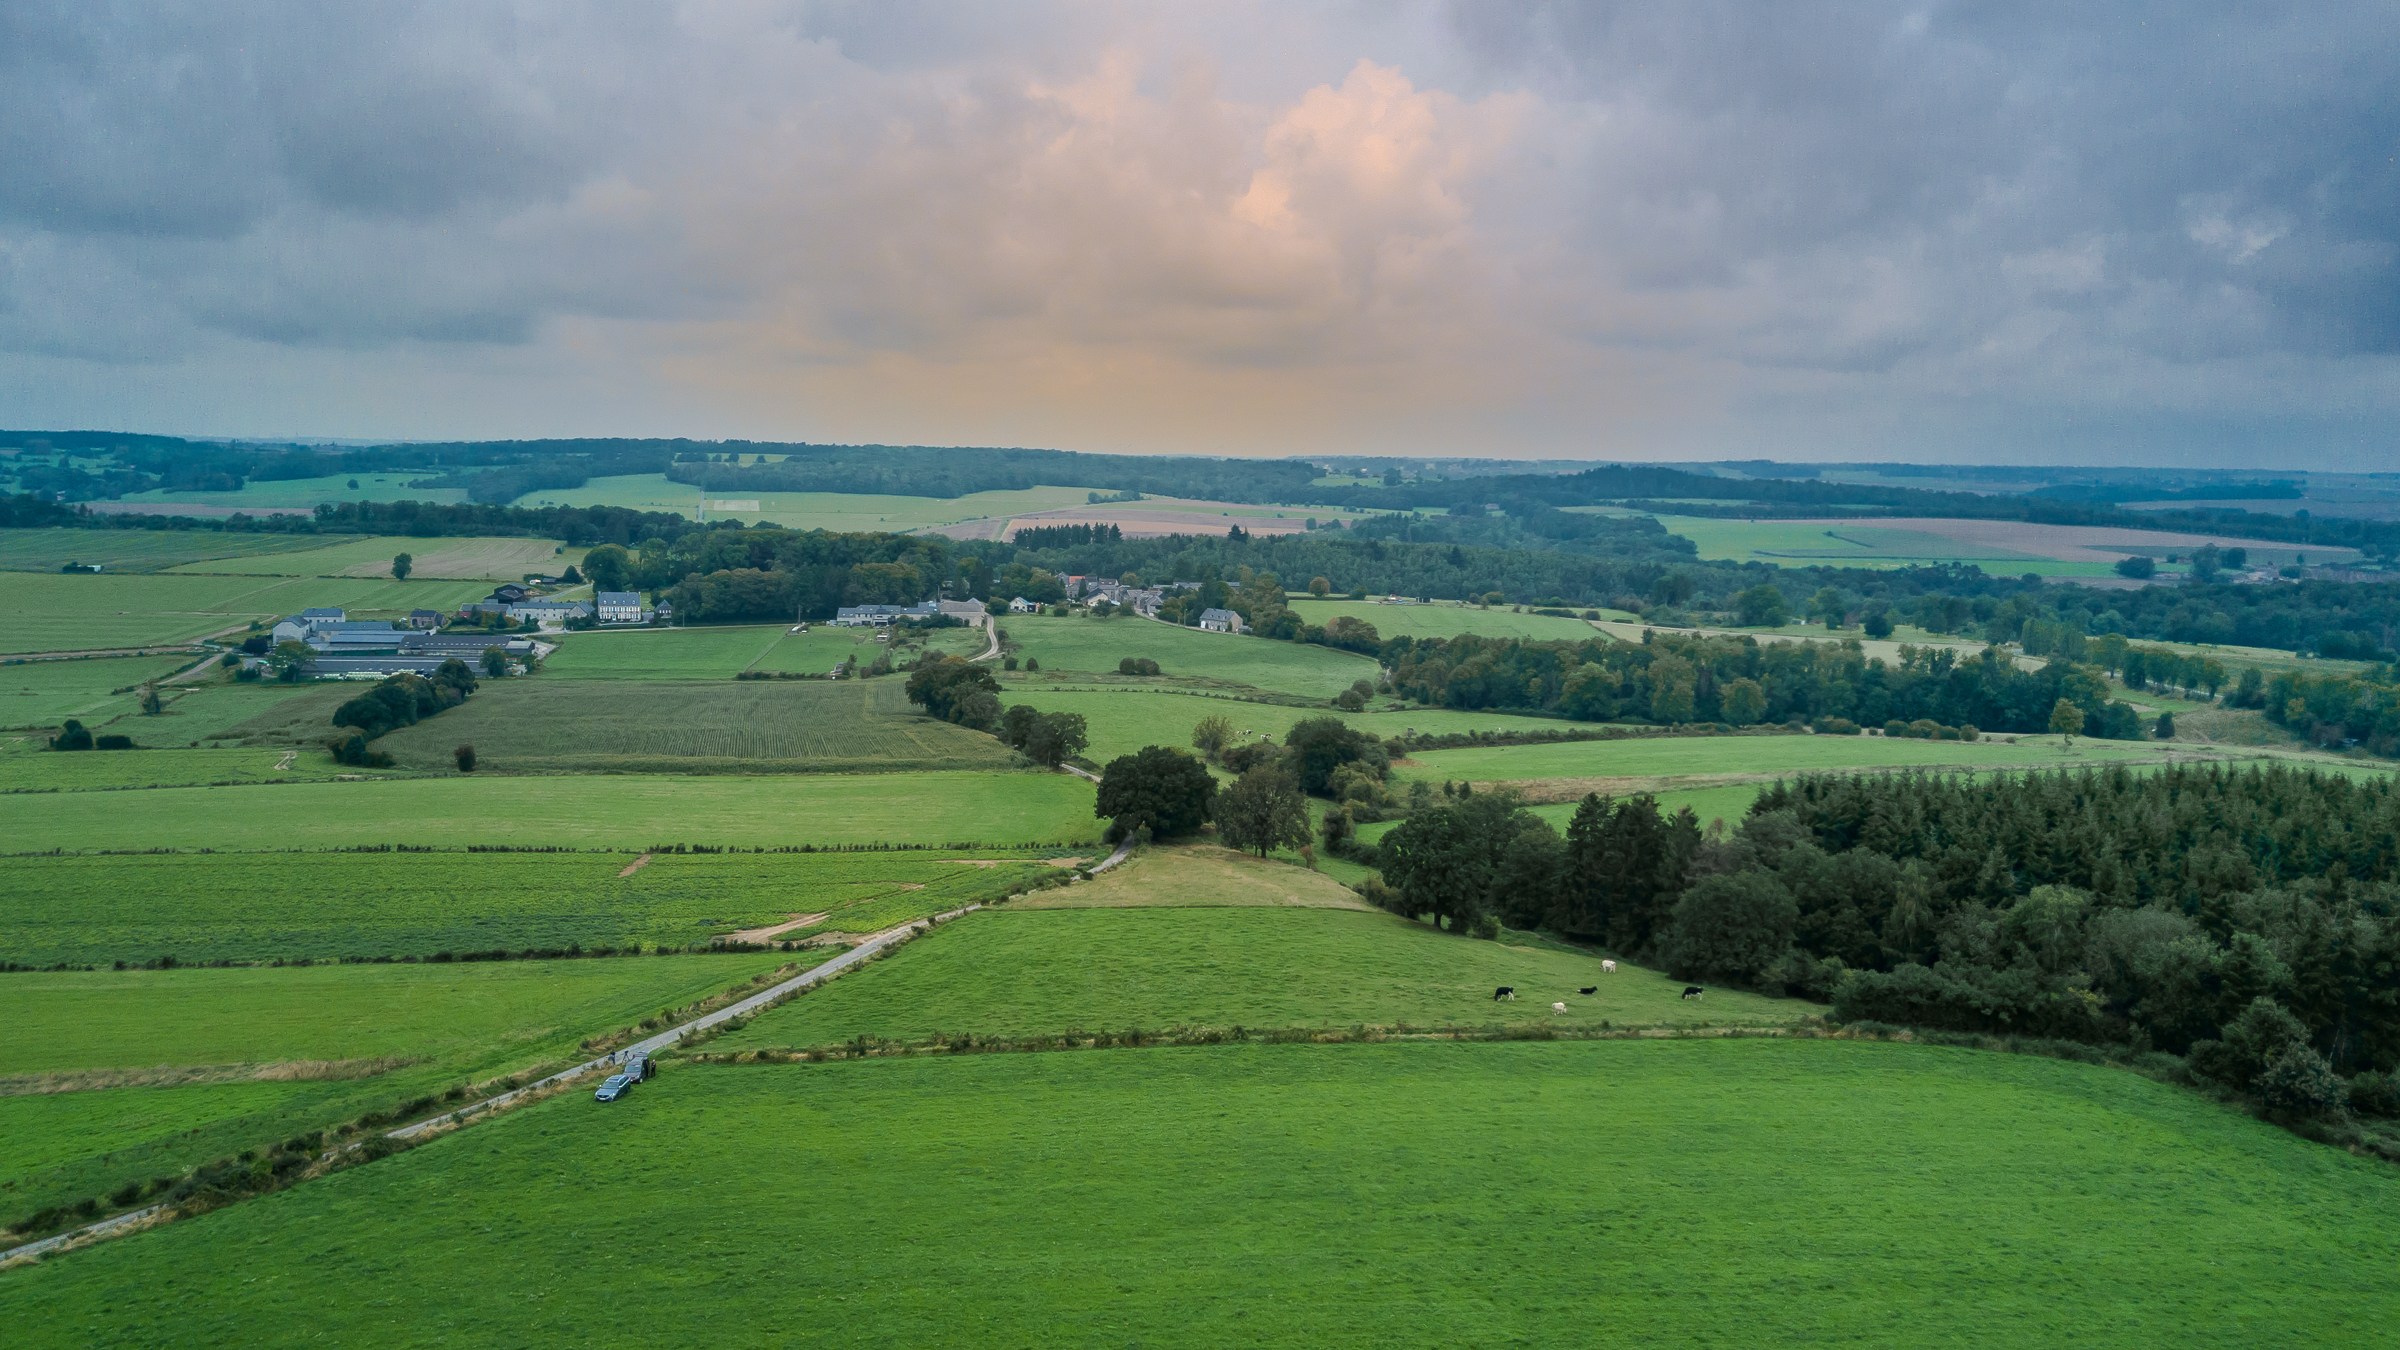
[[1558, 1007], [1608, 967], [1589, 989], [1693, 991], [1506, 991]]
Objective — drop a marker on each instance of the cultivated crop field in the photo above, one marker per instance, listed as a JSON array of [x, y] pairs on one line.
[[460, 559], [46, 693], [1444, 619], [661, 653], [1674, 1193], [1254, 966], [319, 906], [722, 726], [139, 550], [1073, 644], [582, 811], [80, 613], [121, 1076]]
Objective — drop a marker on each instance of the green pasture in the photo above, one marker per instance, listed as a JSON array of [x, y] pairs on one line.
[[1675, 756], [1444, 619], [719, 726], [1197, 875], [1082, 644], [274, 1052], [46, 693], [218, 709], [138, 550], [489, 559], [1095, 969], [1851, 544], [25, 769], [83, 612], [1656, 1194], [304, 493], [297, 906], [662, 653], [839, 512], [582, 811], [1122, 718]]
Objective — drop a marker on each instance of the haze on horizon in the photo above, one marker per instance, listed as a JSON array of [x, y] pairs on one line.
[[1876, 231]]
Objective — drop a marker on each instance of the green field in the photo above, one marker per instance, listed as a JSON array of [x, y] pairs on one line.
[[1864, 543], [212, 710], [587, 811], [1259, 967], [264, 1054], [299, 906], [303, 493], [1067, 645], [840, 512], [456, 559], [139, 550], [1656, 1194], [721, 726], [662, 653], [1677, 756], [1122, 718], [1444, 619], [80, 613], [46, 693], [24, 769]]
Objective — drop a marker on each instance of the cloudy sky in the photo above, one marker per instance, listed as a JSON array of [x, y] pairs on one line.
[[2017, 232]]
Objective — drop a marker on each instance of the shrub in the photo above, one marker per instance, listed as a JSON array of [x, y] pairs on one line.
[[1968, 731], [1349, 700], [1836, 726], [1486, 926], [1008, 663], [115, 743], [1137, 665], [1032, 665], [465, 755], [2299, 1080], [72, 736], [2375, 1094], [1895, 727]]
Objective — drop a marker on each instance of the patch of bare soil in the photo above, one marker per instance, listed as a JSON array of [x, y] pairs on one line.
[[184, 1075], [635, 866], [762, 934]]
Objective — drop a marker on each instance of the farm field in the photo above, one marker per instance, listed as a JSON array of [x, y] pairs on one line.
[[462, 559], [1443, 620], [1200, 875], [302, 494], [1068, 645], [212, 710], [46, 693], [721, 726], [79, 613], [1998, 546], [1221, 1195], [1683, 756], [1123, 718], [121, 1076], [1254, 966], [139, 550], [661, 653], [614, 811], [298, 906], [27, 769], [840, 512]]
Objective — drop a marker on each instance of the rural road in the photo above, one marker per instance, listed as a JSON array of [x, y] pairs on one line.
[[764, 998], [991, 626]]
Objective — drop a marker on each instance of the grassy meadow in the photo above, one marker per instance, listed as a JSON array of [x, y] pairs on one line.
[[46, 693], [1198, 875], [1122, 718], [586, 811], [1252, 966], [96, 910], [56, 612], [721, 726], [839, 512], [1638, 1193], [121, 1076], [1444, 619], [139, 550], [492, 559], [1081, 644], [662, 653], [23, 769]]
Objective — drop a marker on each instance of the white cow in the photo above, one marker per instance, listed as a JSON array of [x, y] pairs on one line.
[[1608, 967], [1558, 1007]]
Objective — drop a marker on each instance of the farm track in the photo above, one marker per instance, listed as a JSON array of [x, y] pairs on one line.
[[149, 1215]]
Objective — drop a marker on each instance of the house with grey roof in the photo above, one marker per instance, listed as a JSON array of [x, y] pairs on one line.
[[1222, 621], [619, 606]]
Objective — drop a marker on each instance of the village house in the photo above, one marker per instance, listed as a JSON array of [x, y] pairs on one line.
[[1222, 621], [619, 606]]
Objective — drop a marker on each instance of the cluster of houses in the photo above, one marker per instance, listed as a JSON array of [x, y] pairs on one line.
[[884, 616], [515, 603], [346, 646]]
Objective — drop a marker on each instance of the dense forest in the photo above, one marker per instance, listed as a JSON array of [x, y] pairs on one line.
[[2225, 915]]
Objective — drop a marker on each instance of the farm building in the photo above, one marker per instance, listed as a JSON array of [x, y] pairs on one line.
[[969, 610], [1222, 621], [322, 618], [620, 606], [424, 618], [881, 616], [466, 646], [554, 611], [1021, 605]]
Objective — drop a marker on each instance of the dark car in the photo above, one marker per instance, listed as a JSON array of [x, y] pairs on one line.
[[640, 1068], [614, 1088]]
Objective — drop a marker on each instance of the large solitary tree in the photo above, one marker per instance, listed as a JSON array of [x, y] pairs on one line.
[[1158, 788], [1263, 811], [402, 565], [946, 687]]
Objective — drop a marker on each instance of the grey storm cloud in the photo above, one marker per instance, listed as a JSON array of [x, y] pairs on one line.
[[1872, 230]]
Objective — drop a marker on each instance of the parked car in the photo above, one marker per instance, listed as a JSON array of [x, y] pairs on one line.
[[617, 1086], [640, 1068]]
